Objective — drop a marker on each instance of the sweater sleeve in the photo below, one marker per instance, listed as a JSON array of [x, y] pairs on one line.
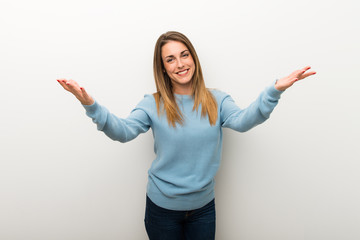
[[242, 120], [119, 129]]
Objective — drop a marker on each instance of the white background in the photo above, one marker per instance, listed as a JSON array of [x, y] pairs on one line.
[[294, 177]]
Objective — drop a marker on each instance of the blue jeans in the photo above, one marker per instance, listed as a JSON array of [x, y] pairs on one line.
[[164, 224]]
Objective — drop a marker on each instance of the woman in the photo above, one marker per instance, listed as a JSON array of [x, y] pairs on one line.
[[180, 192]]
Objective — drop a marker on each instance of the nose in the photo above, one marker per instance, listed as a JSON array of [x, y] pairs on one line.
[[180, 64]]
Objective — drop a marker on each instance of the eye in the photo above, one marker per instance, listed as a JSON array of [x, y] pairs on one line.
[[169, 60], [185, 55]]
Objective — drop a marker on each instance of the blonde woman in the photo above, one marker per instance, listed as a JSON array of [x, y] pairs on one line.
[[187, 120]]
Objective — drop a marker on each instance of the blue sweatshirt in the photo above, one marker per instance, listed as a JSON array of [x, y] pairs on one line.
[[181, 176]]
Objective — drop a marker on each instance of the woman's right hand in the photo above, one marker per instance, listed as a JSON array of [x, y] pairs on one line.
[[79, 92]]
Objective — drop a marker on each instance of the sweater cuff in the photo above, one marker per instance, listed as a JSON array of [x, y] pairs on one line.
[[273, 92], [90, 109]]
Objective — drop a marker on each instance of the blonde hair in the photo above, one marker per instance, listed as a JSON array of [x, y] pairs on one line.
[[165, 96]]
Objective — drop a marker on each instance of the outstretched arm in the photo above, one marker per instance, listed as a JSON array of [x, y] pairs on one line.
[[119, 129], [244, 119]]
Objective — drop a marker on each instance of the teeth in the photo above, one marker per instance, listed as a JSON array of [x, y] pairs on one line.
[[182, 72]]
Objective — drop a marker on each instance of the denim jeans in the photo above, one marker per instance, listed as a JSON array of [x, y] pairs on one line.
[[164, 224]]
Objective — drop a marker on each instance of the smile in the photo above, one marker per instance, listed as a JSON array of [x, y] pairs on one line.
[[182, 73]]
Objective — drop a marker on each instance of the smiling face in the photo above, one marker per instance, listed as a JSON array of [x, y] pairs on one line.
[[179, 66]]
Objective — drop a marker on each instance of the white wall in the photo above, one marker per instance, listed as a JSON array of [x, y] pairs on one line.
[[294, 177]]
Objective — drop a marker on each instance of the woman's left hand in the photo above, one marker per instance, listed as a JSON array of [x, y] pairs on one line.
[[286, 82]]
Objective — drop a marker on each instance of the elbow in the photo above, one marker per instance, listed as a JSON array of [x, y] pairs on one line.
[[265, 115], [122, 140], [118, 138], [243, 129]]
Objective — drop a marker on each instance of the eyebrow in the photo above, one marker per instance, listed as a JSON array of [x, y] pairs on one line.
[[180, 53]]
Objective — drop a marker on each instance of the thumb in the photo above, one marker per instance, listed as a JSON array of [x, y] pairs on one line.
[[88, 99]]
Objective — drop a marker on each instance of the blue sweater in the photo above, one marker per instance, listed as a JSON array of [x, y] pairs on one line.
[[181, 176]]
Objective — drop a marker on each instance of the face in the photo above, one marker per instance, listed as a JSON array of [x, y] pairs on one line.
[[179, 65]]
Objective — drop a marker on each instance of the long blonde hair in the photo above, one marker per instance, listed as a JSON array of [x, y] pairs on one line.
[[165, 95]]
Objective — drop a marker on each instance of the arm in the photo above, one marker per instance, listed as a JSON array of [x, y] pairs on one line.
[[244, 119], [118, 129]]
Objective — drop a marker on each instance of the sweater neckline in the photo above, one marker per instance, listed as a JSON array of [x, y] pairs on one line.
[[181, 96]]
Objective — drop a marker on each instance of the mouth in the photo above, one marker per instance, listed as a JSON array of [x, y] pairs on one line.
[[183, 73]]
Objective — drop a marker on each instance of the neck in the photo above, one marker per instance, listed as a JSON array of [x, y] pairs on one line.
[[182, 89]]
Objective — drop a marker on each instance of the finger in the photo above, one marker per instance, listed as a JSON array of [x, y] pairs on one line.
[[294, 80], [298, 73], [62, 82], [306, 68], [301, 71], [71, 82], [305, 75], [84, 93], [73, 85], [89, 100]]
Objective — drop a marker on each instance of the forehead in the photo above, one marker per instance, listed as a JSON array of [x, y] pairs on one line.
[[173, 48]]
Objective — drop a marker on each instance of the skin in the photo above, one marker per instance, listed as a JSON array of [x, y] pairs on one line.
[[77, 91], [177, 58], [179, 66], [286, 82]]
